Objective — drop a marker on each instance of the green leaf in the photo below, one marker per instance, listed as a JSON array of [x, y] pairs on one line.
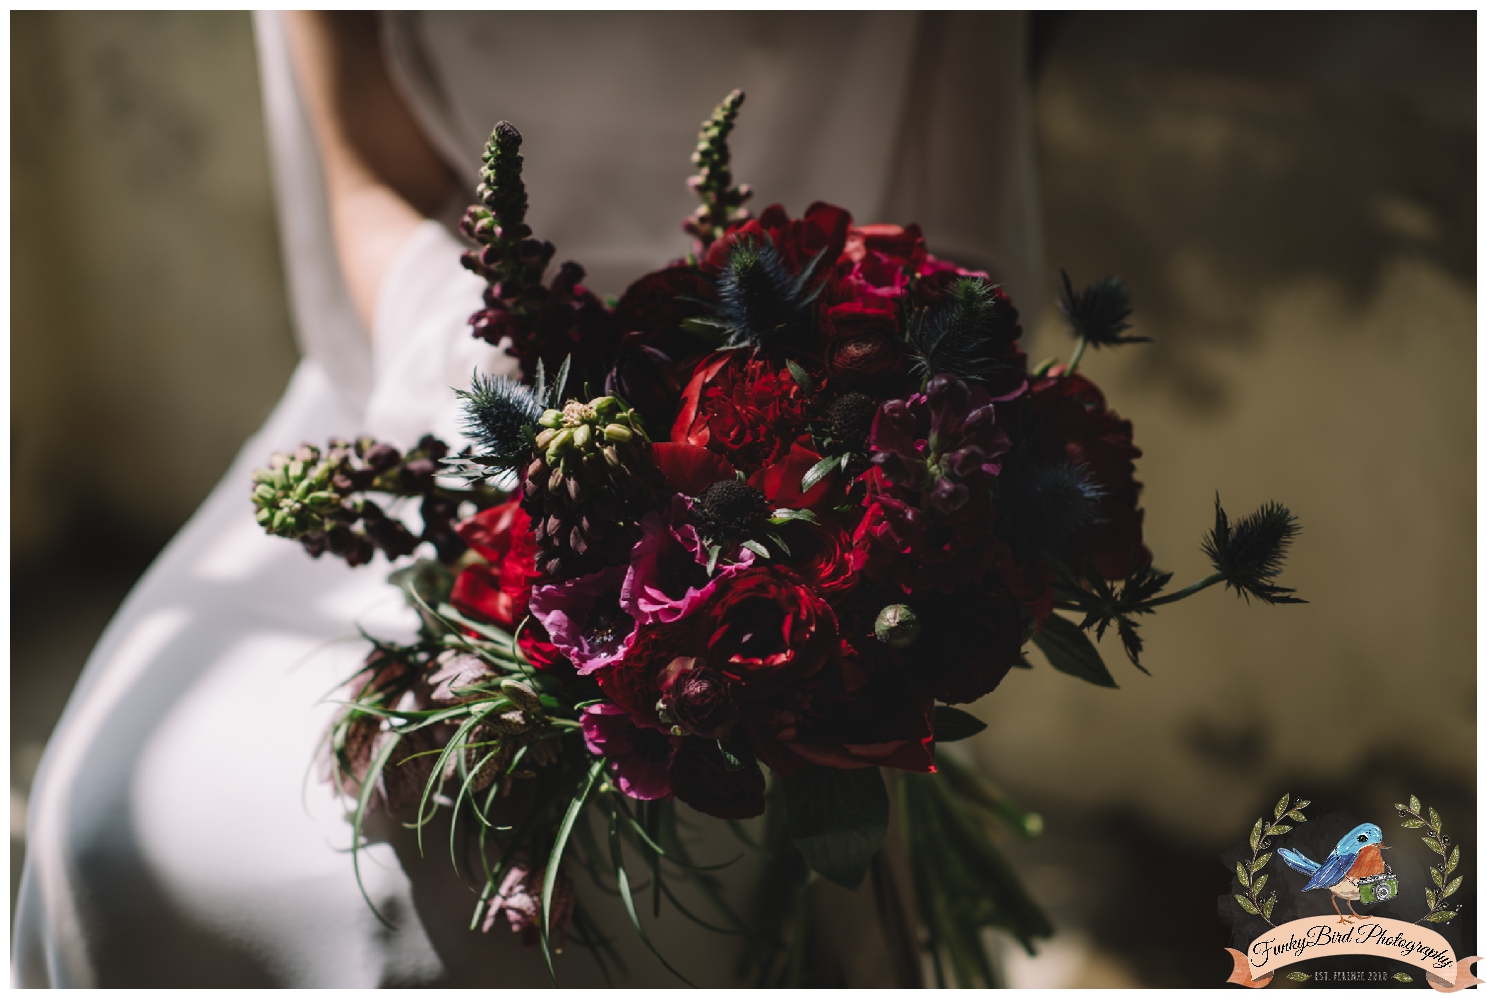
[[369, 782], [1259, 862], [622, 880], [1434, 844], [1430, 898], [1444, 916], [1247, 905], [1400, 976], [731, 763], [1278, 830], [801, 378], [757, 549], [555, 858], [1435, 820], [1455, 859], [1280, 807], [1413, 823], [817, 472], [713, 551], [952, 724], [1437, 876], [1070, 651], [1269, 906], [1254, 835], [784, 514], [1299, 976], [1414, 803], [1295, 816], [838, 820], [1260, 883], [1450, 889], [1243, 874]]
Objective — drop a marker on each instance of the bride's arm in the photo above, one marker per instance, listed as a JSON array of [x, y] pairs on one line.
[[383, 177]]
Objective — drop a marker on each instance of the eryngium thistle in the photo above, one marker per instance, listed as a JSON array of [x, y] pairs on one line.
[[760, 302], [1099, 312], [957, 336], [1251, 553], [1046, 505], [501, 417]]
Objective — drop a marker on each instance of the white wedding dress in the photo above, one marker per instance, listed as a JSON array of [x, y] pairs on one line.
[[177, 836]]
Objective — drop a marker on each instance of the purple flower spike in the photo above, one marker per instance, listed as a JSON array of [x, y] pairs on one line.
[[638, 756], [584, 619]]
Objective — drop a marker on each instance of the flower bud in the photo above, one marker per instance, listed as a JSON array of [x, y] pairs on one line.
[[615, 432], [897, 626], [551, 419], [582, 435]]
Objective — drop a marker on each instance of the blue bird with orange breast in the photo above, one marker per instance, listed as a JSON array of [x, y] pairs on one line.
[[1358, 855]]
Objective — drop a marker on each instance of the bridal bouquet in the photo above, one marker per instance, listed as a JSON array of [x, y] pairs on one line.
[[739, 540]]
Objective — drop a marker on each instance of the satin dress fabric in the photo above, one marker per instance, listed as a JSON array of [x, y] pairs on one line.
[[178, 831]]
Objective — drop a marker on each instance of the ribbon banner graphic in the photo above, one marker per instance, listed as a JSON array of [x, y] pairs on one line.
[[1324, 936]]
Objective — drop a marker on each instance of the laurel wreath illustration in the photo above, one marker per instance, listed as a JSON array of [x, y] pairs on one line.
[[1256, 903], [1437, 840], [1253, 901]]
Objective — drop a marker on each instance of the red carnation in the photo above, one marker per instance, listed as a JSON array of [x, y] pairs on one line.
[[745, 409]]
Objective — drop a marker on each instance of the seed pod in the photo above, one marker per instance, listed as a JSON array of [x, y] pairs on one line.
[[552, 419], [545, 439], [582, 434], [897, 626], [615, 432]]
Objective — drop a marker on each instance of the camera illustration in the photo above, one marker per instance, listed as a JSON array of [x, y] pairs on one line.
[[1378, 888]]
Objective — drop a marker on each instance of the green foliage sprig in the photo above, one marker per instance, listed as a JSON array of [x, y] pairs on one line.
[[1429, 819], [1253, 900]]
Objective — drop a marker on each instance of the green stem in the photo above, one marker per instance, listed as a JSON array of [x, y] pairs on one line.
[[1078, 355], [1183, 593]]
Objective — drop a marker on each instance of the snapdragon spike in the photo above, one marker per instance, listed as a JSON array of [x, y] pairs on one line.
[[713, 183], [1098, 315], [1251, 553]]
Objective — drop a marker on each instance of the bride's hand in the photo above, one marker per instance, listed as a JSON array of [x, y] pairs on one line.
[[382, 176]]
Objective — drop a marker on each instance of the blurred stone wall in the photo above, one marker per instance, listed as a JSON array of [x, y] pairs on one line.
[[1292, 198], [149, 330]]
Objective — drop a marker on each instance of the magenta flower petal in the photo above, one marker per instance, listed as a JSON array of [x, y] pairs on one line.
[[667, 578], [584, 619]]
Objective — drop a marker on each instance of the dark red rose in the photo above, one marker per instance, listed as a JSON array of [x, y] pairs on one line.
[[822, 232], [766, 630], [821, 554], [747, 410], [500, 589], [865, 715], [700, 777], [968, 641], [656, 304], [635, 682], [864, 350], [1067, 420], [699, 699]]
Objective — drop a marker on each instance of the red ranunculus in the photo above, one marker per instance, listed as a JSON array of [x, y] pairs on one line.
[[635, 682], [748, 410], [766, 629], [864, 350], [821, 554], [1070, 423], [500, 589]]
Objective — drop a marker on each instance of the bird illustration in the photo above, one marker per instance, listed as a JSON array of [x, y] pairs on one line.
[[1357, 855]]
